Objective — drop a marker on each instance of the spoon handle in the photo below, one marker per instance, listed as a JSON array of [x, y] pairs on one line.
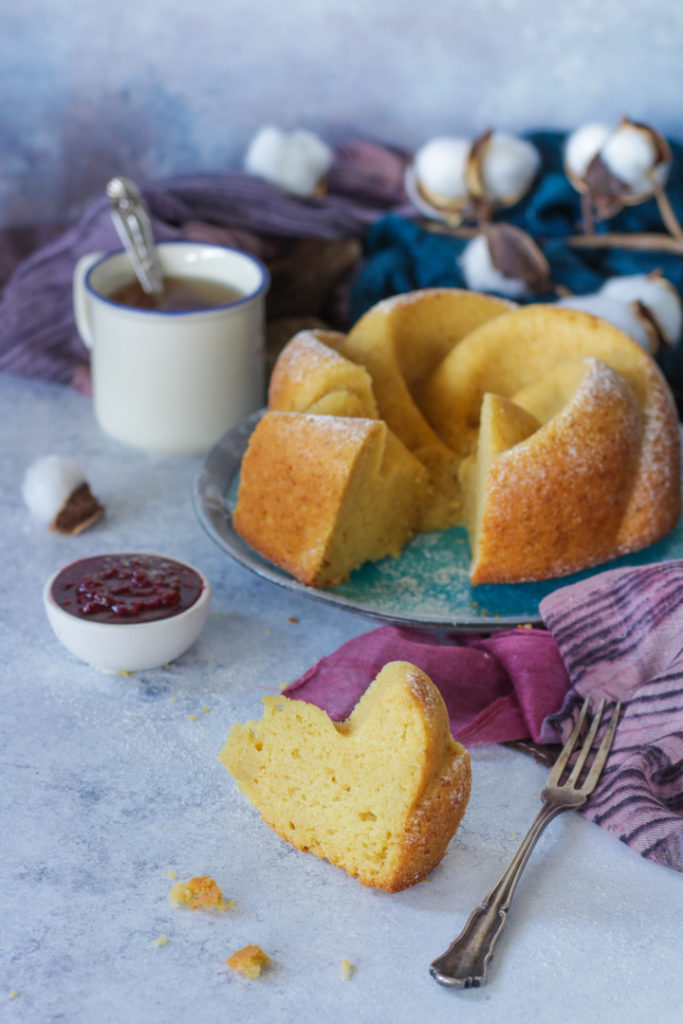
[[134, 228]]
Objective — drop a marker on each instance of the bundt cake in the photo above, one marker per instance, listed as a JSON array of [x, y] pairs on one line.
[[548, 432], [380, 795]]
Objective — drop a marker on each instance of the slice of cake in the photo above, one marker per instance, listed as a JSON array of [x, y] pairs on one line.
[[380, 795], [321, 495]]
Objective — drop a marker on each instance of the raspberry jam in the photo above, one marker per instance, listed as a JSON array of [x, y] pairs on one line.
[[126, 588]]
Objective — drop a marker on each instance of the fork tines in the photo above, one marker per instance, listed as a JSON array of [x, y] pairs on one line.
[[577, 766]]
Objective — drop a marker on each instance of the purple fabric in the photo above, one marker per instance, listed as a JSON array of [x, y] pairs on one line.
[[38, 336], [621, 637], [495, 688], [617, 635]]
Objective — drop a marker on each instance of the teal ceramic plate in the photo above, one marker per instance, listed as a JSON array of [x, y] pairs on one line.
[[427, 586]]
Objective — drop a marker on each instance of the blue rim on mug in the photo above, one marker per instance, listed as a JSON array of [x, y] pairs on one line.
[[234, 304]]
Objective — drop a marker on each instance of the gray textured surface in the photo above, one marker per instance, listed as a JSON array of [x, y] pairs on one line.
[[160, 87], [107, 784]]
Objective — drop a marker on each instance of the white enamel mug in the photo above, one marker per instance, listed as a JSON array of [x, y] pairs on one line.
[[172, 383]]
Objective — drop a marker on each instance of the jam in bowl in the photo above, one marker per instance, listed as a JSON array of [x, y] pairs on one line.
[[125, 612]]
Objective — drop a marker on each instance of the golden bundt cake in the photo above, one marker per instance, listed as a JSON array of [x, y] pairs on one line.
[[320, 495], [546, 430], [380, 795]]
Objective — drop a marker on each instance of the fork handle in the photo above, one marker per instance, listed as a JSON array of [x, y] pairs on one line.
[[464, 963]]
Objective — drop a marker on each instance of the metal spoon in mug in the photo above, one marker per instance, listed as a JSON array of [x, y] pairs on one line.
[[134, 228]]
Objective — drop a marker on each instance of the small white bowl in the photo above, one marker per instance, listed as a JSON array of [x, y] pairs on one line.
[[129, 646]]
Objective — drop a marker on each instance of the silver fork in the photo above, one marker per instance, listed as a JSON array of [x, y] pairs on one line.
[[464, 963]]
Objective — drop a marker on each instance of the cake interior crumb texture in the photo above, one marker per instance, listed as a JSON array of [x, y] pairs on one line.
[[380, 795]]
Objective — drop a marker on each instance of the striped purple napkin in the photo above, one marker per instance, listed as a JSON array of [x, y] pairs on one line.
[[620, 635], [617, 635]]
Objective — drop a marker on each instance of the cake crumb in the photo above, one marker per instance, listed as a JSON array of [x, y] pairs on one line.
[[292, 618], [13, 994], [171, 873], [206, 708], [192, 718], [249, 961], [161, 940], [200, 892], [347, 969]]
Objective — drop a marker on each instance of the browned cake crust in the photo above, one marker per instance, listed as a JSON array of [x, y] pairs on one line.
[[310, 376], [600, 478], [514, 536]]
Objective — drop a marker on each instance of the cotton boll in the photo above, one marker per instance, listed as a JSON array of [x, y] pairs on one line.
[[440, 167], [264, 151], [47, 484], [616, 312], [56, 492], [295, 161], [630, 154], [655, 293], [481, 275], [309, 160], [509, 166], [583, 145], [634, 153]]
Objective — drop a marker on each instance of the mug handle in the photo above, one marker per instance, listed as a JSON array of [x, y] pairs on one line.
[[80, 296]]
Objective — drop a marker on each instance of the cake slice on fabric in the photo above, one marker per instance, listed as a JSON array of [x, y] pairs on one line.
[[321, 495], [380, 795]]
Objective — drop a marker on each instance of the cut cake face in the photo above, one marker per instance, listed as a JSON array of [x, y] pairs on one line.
[[321, 495], [380, 795]]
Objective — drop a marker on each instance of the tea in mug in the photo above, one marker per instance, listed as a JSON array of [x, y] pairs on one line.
[[179, 294]]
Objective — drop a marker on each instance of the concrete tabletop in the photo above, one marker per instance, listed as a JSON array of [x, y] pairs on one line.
[[111, 786]]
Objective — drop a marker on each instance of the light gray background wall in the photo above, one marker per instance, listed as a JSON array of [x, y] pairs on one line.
[[152, 87]]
